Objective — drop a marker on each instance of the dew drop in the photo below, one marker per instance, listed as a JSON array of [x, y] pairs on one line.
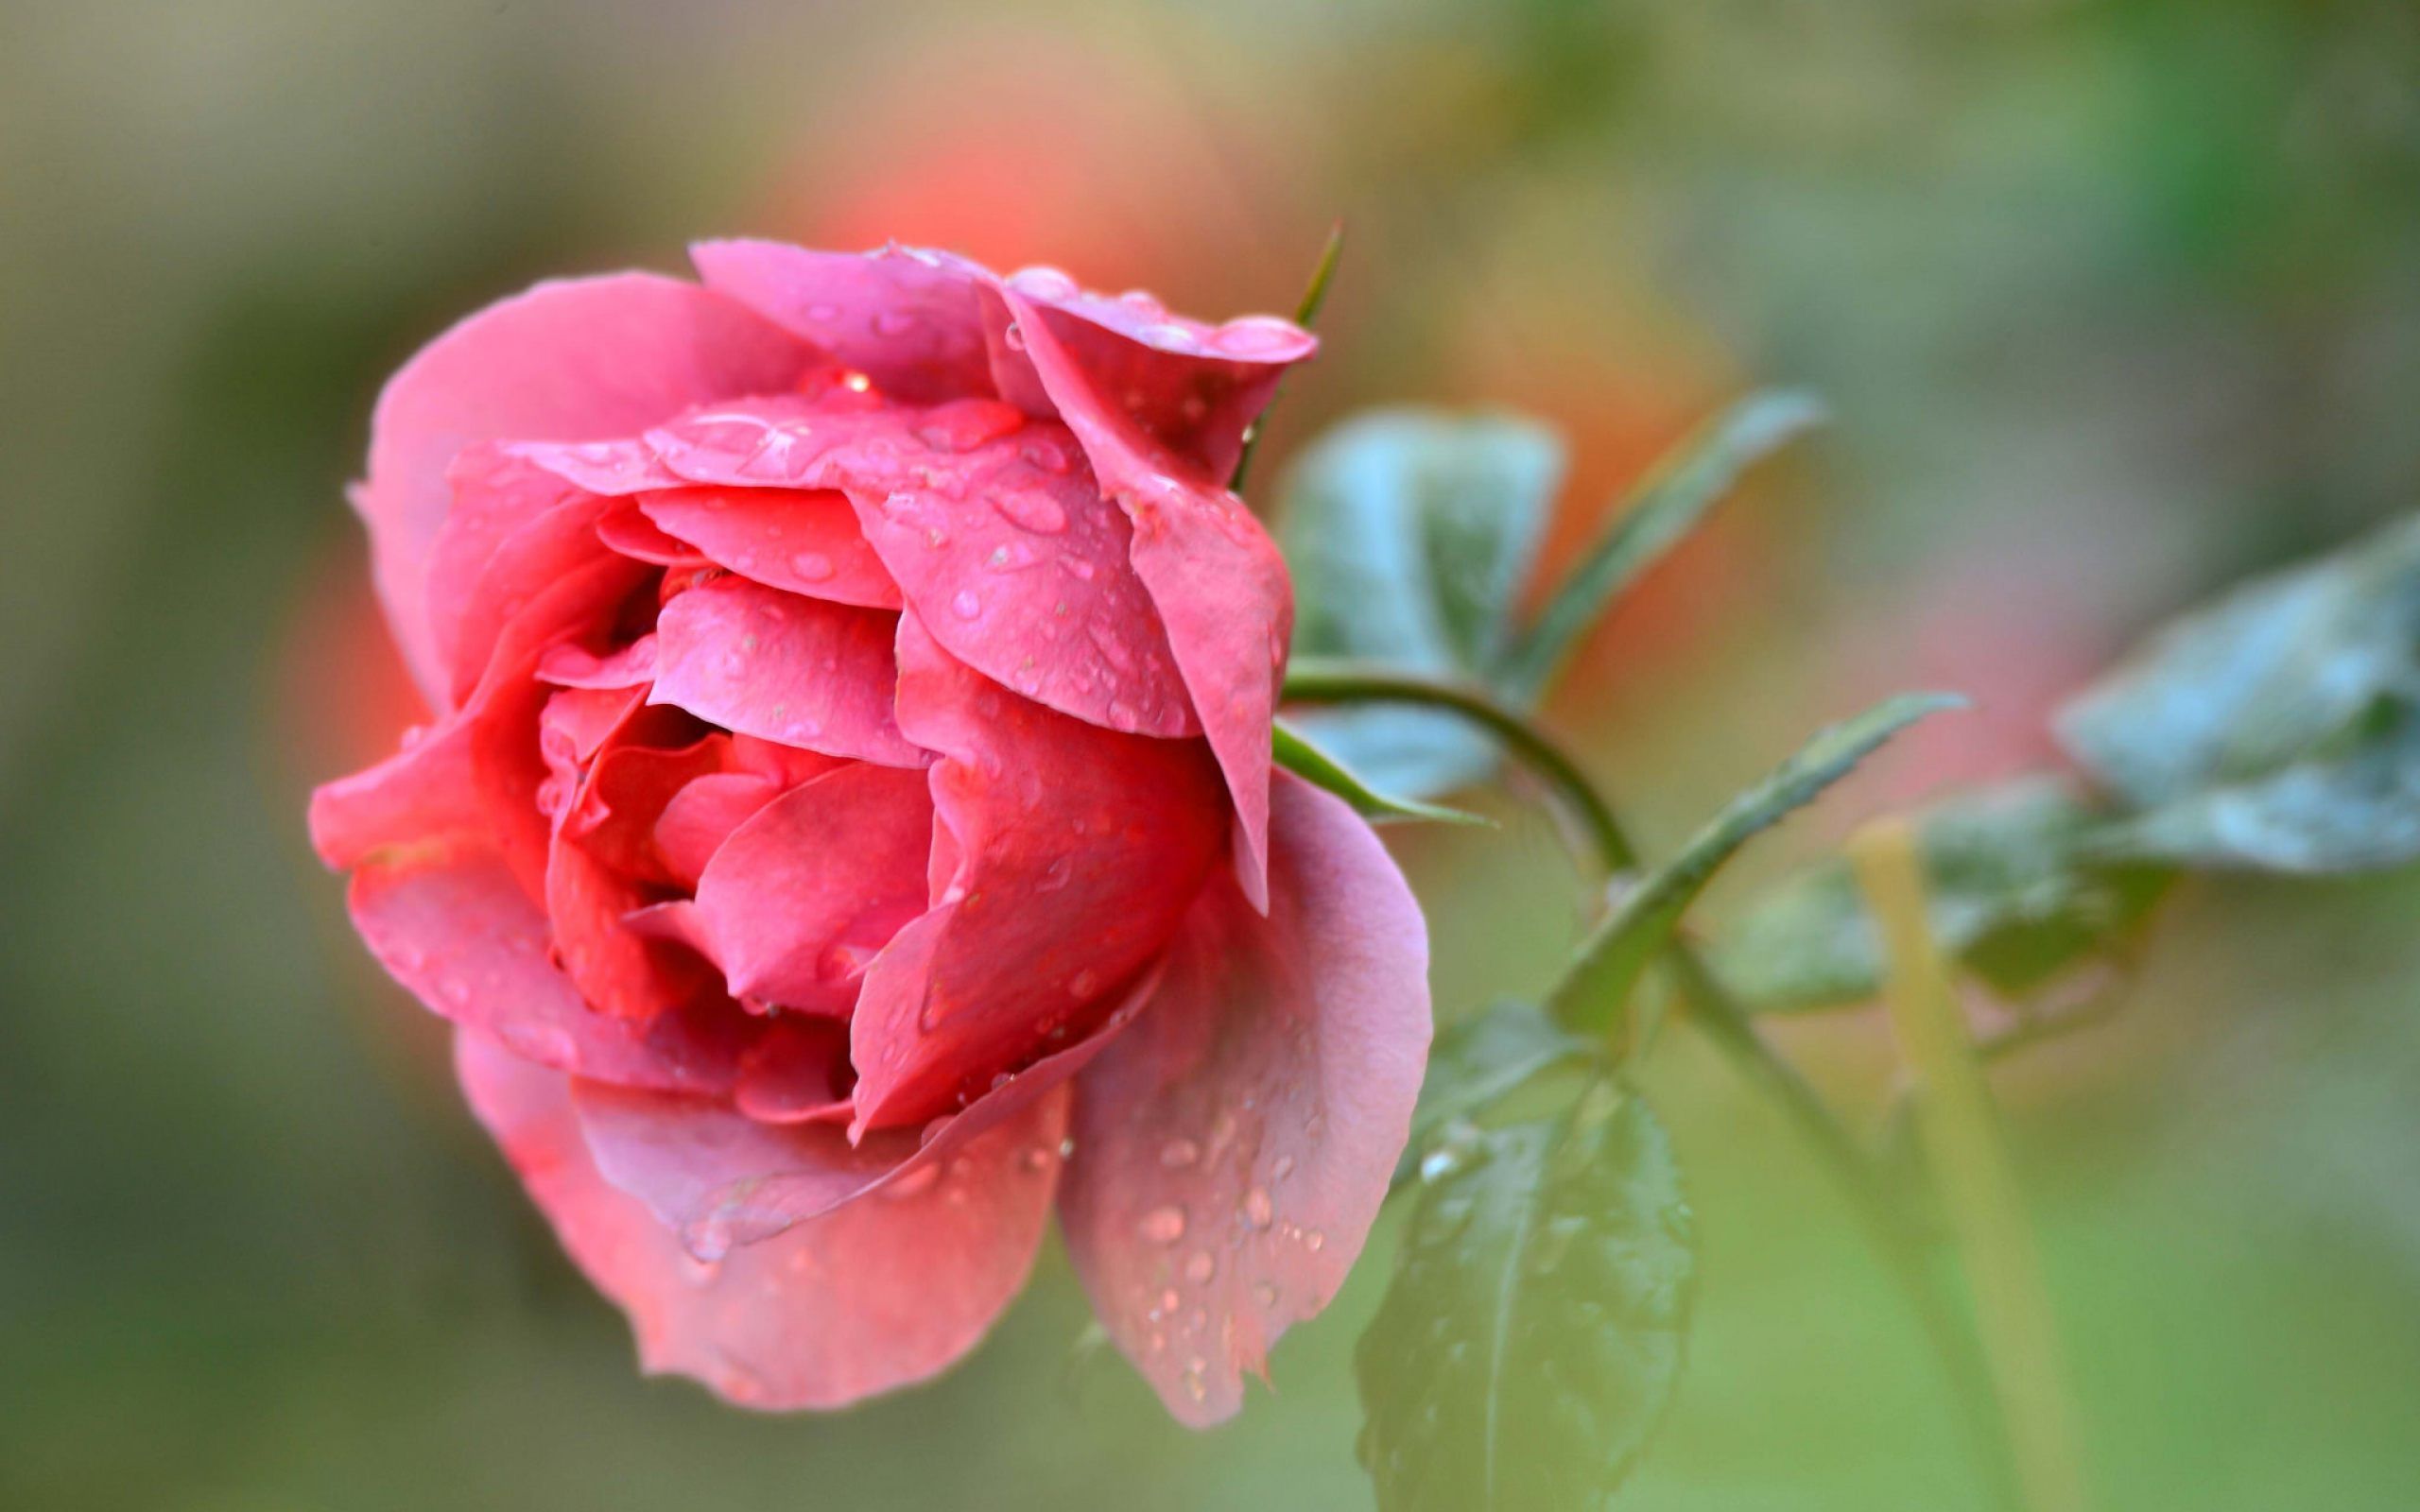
[[1163, 1226], [1200, 1268], [1258, 1211], [965, 604], [811, 566], [1178, 1153]]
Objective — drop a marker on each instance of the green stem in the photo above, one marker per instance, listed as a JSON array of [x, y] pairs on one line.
[[1321, 680], [1726, 1025]]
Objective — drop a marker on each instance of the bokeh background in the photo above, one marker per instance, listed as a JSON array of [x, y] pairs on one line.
[[2115, 301]]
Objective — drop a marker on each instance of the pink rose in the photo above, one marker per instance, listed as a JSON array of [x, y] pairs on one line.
[[850, 827]]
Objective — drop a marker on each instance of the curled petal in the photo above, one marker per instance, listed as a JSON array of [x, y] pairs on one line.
[[798, 670], [1234, 1147], [1076, 851], [799, 541], [877, 1295], [568, 361], [1215, 576], [568, 665], [448, 921], [1193, 389], [806, 893]]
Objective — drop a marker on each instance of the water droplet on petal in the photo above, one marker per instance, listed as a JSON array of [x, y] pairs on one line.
[[1200, 1268], [966, 604], [1163, 1226], [1258, 1211], [811, 566], [1179, 1153]]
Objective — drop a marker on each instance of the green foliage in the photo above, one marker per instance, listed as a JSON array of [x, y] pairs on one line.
[[1659, 515], [2274, 731], [1533, 1336], [1296, 754], [1410, 532], [1593, 994], [2010, 889], [1478, 1059]]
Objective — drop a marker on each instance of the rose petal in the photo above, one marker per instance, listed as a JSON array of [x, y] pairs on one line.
[[991, 527], [564, 362], [480, 768], [574, 666], [632, 534], [874, 1297], [621, 973], [723, 1179], [1079, 850], [1194, 388], [802, 541], [796, 1073], [798, 670], [620, 809], [1215, 575], [808, 890], [905, 316], [701, 818], [448, 921], [496, 498], [1234, 1147]]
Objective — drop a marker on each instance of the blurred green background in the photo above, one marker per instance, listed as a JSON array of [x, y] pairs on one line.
[[2114, 301]]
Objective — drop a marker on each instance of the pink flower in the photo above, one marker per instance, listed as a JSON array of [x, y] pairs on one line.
[[849, 825]]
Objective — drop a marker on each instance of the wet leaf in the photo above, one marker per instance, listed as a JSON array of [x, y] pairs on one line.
[[1664, 507], [1479, 1058], [2354, 809], [1410, 532], [1298, 754], [2010, 890], [2269, 674], [1593, 996], [1532, 1336]]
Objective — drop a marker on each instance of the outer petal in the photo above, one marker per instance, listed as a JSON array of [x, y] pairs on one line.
[[921, 324], [449, 922], [991, 528], [725, 1176], [1078, 850], [806, 891], [801, 541], [1215, 575], [1233, 1146], [881, 1293], [798, 670], [476, 768], [905, 316], [1194, 388], [566, 361]]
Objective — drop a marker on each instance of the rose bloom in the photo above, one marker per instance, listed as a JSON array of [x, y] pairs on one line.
[[849, 828]]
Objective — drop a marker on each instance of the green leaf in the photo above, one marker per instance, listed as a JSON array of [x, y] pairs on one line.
[[1410, 532], [1478, 1059], [2269, 674], [1298, 755], [2355, 809], [1592, 995], [2010, 889], [1667, 506], [1533, 1336]]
